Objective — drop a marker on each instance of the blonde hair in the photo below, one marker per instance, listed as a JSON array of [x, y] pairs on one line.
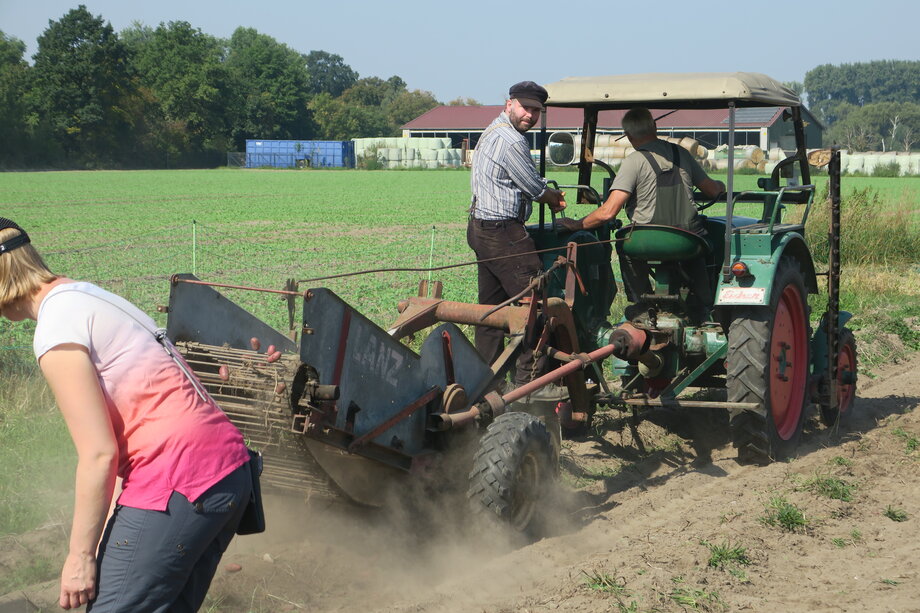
[[22, 271]]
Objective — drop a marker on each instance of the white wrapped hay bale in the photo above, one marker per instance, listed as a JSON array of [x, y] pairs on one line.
[[776, 154], [691, 145], [722, 164], [854, 163], [746, 163], [606, 140], [870, 161], [443, 157], [752, 152], [914, 163]]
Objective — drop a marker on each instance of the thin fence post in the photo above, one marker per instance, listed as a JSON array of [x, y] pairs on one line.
[[430, 256], [194, 247]]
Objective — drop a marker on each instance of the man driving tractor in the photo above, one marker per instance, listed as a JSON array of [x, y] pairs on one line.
[[655, 184]]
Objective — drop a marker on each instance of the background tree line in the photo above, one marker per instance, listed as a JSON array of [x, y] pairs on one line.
[[174, 96], [867, 106], [178, 97]]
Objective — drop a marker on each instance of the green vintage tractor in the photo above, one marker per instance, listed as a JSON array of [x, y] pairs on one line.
[[758, 343]]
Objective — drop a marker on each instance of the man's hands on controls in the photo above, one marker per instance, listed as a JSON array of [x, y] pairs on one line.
[[555, 199]]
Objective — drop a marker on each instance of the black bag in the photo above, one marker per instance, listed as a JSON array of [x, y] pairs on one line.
[[253, 520]]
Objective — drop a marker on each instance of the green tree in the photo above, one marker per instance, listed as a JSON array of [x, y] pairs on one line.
[[406, 106], [828, 86], [370, 91], [328, 73], [81, 88], [14, 73], [184, 70], [273, 83], [885, 126], [338, 119], [461, 101]]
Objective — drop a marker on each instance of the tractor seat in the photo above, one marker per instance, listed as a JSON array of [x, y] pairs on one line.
[[654, 243]]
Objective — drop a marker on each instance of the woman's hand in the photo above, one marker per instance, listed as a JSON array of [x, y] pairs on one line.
[[78, 581]]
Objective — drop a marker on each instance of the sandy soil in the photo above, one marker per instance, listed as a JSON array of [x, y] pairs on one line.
[[628, 531]]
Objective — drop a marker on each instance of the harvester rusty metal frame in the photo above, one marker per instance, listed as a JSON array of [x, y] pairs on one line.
[[365, 408]]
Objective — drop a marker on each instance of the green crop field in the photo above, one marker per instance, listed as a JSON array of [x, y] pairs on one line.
[[129, 231]]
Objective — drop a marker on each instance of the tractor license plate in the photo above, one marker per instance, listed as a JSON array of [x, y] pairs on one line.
[[742, 295]]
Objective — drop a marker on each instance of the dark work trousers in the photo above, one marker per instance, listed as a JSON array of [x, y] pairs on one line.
[[502, 279], [636, 283], [163, 561]]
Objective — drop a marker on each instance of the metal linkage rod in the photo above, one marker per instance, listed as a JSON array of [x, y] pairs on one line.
[[565, 369]]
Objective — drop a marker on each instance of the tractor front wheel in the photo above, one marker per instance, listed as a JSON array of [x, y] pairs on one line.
[[512, 469], [846, 382], [767, 363]]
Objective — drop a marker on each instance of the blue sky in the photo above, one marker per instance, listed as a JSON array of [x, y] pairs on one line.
[[476, 49]]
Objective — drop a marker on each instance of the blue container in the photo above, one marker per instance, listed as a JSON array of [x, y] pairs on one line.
[[300, 154]]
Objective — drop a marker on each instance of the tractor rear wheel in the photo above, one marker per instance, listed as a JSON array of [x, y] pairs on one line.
[[846, 382], [767, 363], [511, 469]]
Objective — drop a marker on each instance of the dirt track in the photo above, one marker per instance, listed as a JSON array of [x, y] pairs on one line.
[[639, 529]]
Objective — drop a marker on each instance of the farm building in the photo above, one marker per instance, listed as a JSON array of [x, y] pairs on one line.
[[762, 126]]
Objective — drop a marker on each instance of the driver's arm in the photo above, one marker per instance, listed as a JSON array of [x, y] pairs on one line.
[[599, 216], [711, 188]]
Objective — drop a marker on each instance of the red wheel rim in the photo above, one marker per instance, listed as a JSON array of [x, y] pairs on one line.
[[846, 363], [788, 362]]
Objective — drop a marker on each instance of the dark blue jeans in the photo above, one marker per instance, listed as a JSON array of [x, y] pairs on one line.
[[163, 561]]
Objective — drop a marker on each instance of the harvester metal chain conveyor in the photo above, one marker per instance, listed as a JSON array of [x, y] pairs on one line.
[[255, 395]]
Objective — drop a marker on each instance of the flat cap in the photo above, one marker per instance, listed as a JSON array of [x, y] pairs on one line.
[[528, 93]]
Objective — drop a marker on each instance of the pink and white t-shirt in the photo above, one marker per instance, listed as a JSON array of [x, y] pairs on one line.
[[169, 439]]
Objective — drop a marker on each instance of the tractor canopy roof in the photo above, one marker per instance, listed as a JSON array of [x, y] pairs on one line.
[[671, 90]]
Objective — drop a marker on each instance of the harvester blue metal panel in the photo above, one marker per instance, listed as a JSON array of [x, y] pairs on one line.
[[377, 375], [200, 313]]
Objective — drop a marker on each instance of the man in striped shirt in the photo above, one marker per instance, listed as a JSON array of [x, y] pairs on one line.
[[505, 183]]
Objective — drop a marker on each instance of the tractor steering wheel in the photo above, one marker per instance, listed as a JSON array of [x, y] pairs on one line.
[[703, 207]]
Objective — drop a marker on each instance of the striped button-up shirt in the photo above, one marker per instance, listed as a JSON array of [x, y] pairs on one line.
[[504, 180]]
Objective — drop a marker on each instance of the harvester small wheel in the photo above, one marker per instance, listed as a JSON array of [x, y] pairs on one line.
[[767, 363], [846, 382], [512, 469]]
